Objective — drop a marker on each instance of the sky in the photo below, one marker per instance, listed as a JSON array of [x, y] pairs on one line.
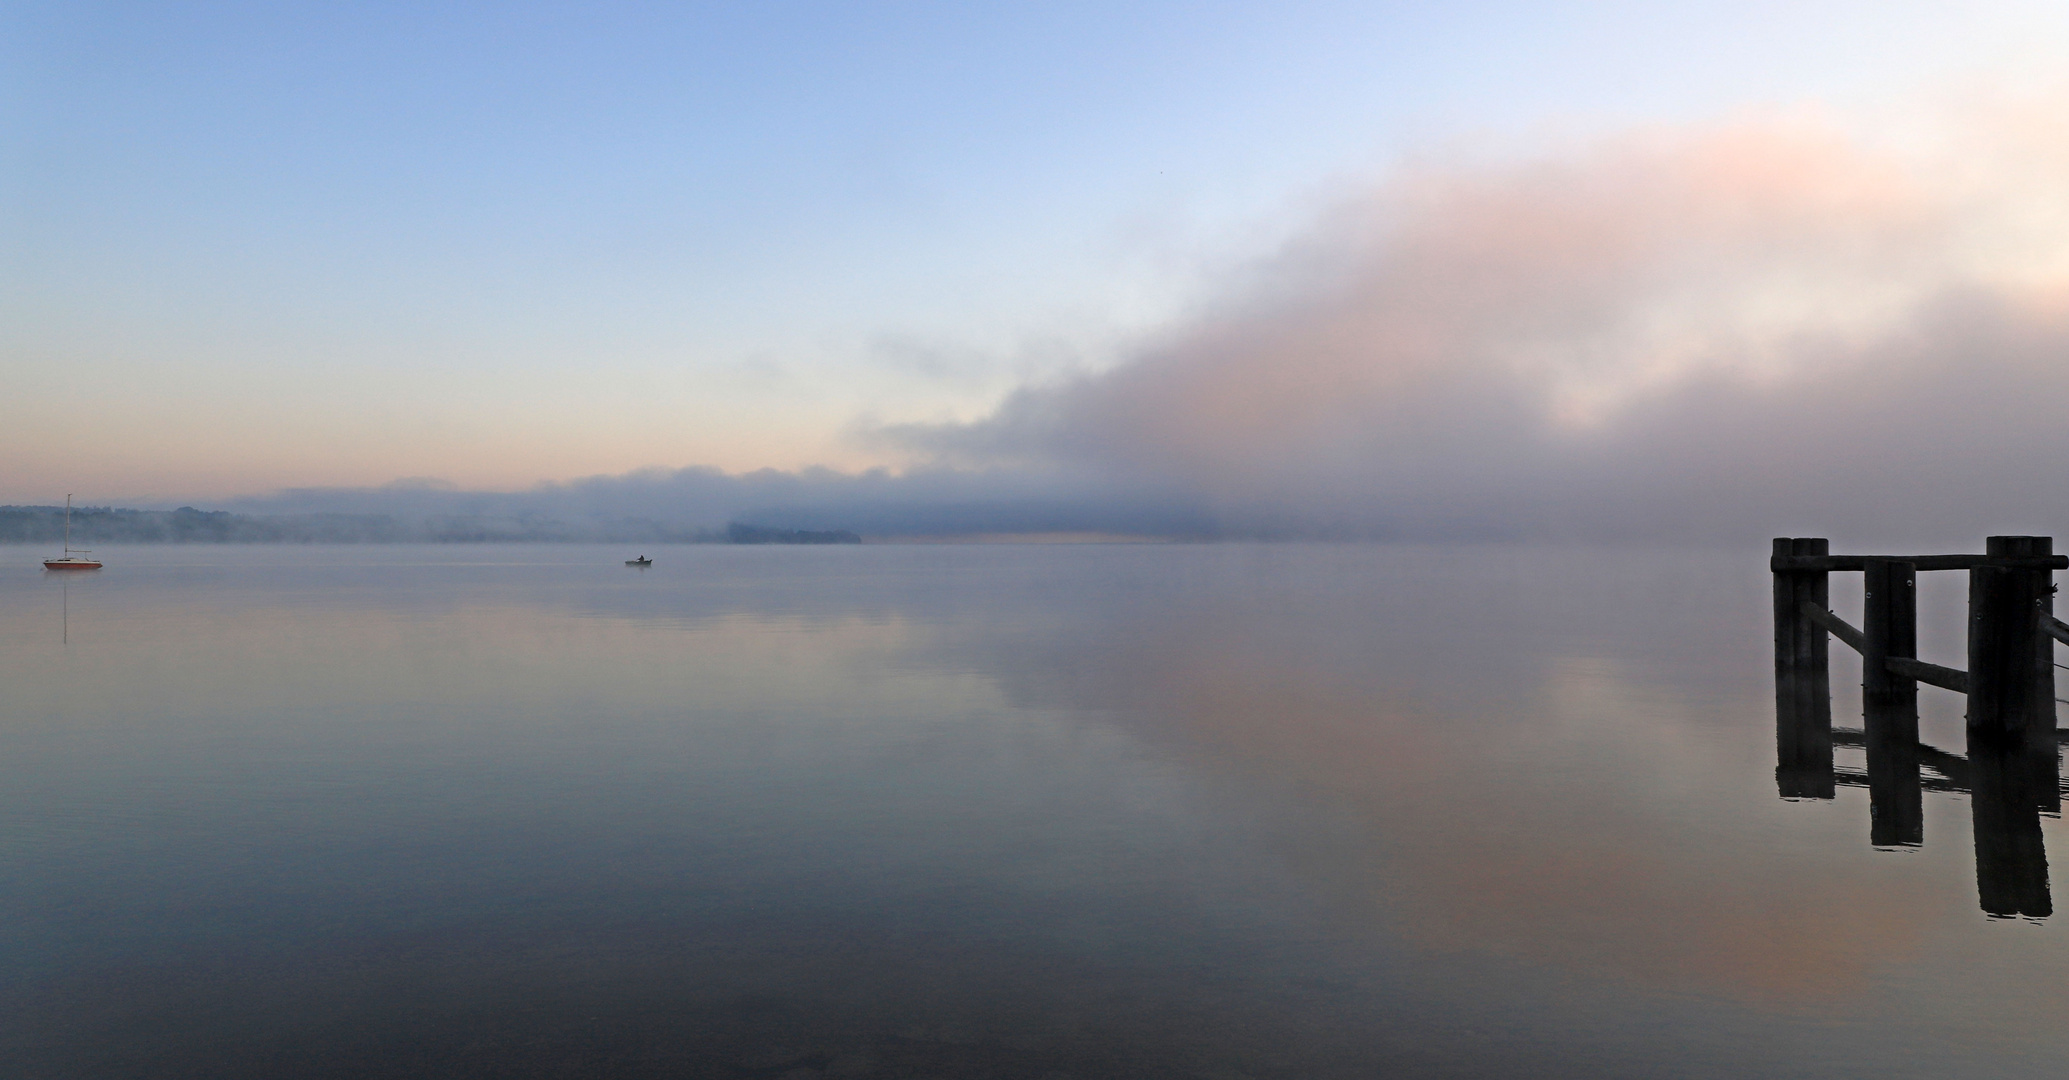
[[1365, 269]]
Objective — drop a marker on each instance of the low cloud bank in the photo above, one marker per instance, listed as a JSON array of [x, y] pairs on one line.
[[1757, 329], [1729, 334]]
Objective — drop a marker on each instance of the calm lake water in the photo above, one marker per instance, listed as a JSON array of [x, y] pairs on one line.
[[937, 811]]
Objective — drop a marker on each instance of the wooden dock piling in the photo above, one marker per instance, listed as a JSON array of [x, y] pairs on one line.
[[1889, 703], [1802, 684], [2010, 659]]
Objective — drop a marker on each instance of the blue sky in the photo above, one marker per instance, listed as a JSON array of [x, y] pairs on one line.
[[252, 246]]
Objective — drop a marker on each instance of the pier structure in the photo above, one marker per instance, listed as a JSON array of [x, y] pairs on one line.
[[2012, 769]]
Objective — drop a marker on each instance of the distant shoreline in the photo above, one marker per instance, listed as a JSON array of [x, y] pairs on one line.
[[22, 525]]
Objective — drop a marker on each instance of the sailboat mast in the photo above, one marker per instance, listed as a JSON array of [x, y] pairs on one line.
[[68, 523]]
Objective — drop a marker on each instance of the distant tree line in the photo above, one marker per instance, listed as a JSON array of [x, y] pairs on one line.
[[186, 525], [742, 533], [109, 525]]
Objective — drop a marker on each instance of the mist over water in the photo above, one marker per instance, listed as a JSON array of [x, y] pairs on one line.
[[1281, 810], [1781, 321]]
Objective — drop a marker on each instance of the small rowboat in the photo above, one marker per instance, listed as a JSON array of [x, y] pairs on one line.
[[641, 561]]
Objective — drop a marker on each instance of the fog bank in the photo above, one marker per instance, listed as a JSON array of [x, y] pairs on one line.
[[1777, 326], [1756, 330]]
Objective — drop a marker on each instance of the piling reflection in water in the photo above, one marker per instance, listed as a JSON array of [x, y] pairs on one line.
[[2011, 861], [1276, 810], [2009, 788]]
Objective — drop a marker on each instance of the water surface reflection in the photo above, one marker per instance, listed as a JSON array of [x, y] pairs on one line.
[[1198, 811]]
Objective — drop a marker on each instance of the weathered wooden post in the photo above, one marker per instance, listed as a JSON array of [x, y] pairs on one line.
[[2011, 725], [1802, 678], [2043, 757], [1889, 627], [2011, 695]]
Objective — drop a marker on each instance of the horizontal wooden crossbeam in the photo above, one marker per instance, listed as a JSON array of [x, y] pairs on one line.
[[1921, 562]]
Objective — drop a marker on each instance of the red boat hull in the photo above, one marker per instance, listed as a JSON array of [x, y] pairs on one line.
[[69, 564]]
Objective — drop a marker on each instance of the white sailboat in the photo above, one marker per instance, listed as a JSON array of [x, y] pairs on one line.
[[80, 559]]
